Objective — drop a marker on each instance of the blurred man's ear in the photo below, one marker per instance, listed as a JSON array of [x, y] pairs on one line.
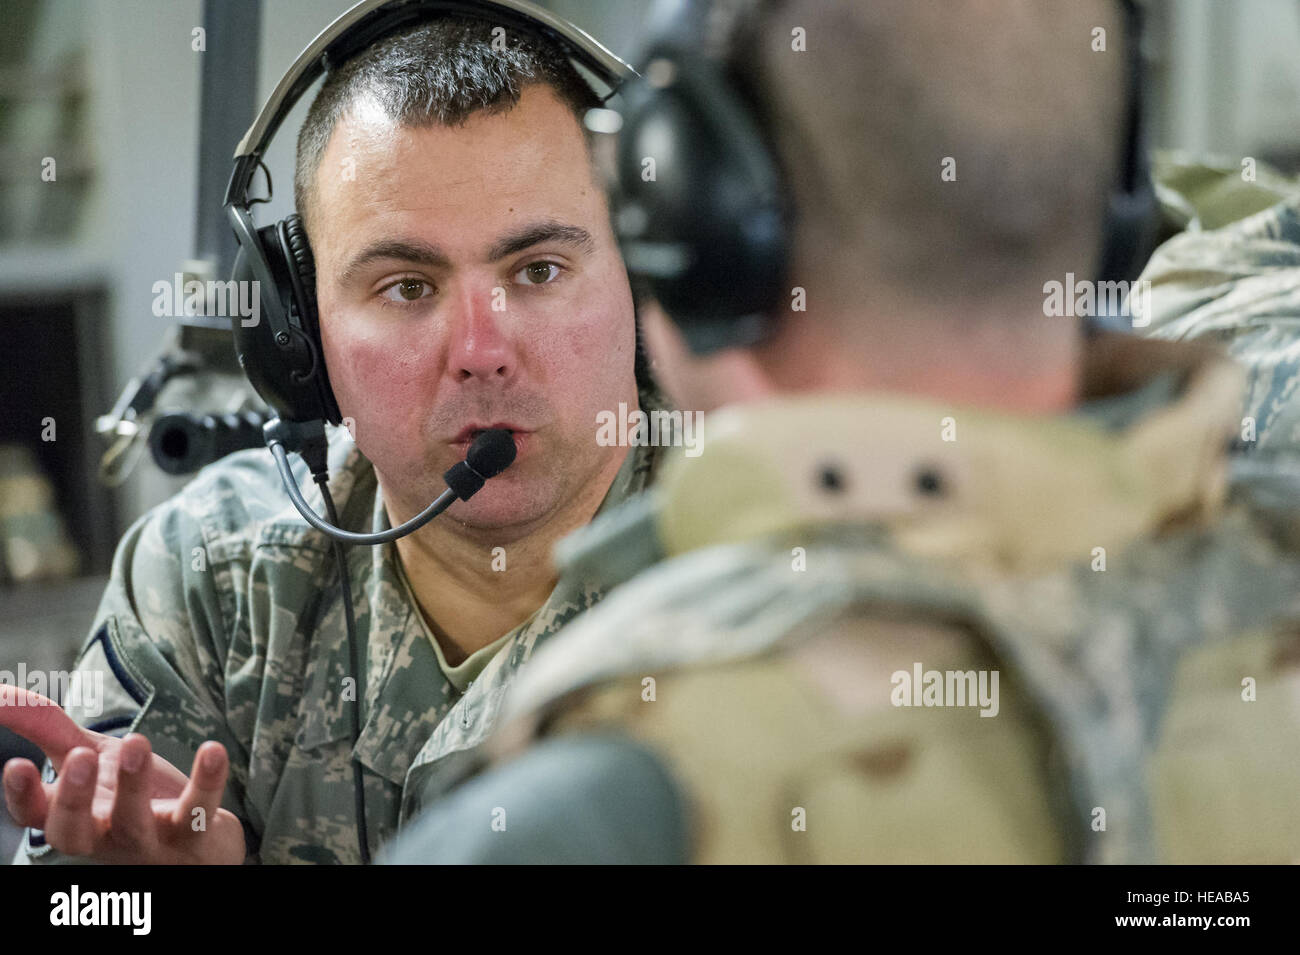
[[699, 382]]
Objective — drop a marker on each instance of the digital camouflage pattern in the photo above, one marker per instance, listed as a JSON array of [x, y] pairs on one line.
[[222, 620], [1239, 286], [754, 647]]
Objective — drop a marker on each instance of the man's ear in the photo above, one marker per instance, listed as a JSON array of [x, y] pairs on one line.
[[699, 382]]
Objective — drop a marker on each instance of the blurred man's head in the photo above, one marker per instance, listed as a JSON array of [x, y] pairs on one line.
[[467, 274], [902, 264]]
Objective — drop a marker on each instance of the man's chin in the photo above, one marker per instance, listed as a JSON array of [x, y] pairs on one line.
[[502, 504]]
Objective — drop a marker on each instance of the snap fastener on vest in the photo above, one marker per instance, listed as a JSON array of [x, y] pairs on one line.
[[831, 479], [930, 482]]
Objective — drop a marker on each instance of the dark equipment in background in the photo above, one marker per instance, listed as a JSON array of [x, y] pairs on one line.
[[182, 442], [196, 371], [189, 407]]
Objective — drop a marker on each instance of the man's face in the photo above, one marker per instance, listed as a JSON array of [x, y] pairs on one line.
[[468, 278]]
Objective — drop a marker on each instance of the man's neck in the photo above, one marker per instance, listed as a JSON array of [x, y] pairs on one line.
[[986, 362], [471, 596]]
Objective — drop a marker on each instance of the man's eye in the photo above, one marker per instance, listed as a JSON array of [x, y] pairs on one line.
[[406, 290], [537, 273]]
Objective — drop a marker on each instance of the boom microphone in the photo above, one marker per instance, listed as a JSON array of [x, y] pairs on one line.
[[491, 453]]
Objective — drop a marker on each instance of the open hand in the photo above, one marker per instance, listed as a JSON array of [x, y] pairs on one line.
[[114, 800]]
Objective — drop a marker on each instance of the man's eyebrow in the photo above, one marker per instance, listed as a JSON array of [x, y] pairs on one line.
[[409, 250], [530, 235]]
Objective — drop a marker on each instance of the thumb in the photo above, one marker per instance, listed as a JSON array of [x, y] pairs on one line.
[[40, 720]]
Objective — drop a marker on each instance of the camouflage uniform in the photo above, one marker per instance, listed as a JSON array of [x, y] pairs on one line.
[[1240, 286], [223, 620], [823, 544], [1198, 193]]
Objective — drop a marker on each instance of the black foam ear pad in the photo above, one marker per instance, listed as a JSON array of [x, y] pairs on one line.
[[302, 268], [304, 264]]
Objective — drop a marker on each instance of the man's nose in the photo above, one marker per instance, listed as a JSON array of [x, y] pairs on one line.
[[482, 345]]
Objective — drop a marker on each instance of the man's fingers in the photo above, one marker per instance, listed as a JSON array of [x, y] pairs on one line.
[[204, 790], [39, 719], [24, 793], [69, 825], [132, 817]]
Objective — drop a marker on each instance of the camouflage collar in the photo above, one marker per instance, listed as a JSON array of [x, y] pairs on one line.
[[392, 632], [982, 490]]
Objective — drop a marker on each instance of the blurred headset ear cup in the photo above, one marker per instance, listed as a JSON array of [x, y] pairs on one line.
[[706, 228], [302, 266], [714, 209]]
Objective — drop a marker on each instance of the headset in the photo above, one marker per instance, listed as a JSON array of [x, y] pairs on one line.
[[282, 355], [709, 235]]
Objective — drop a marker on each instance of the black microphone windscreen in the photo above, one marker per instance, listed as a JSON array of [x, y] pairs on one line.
[[491, 453]]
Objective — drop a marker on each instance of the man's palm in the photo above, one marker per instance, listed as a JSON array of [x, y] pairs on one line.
[[154, 815]]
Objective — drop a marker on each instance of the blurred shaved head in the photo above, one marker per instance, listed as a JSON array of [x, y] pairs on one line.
[[863, 120]]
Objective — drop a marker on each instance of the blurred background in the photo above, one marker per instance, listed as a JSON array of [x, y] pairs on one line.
[[118, 119]]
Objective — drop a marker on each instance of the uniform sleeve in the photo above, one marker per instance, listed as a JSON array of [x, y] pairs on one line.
[[584, 799], [1239, 286], [154, 661]]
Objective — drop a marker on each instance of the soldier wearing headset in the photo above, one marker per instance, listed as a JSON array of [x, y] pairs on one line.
[[451, 275], [954, 580]]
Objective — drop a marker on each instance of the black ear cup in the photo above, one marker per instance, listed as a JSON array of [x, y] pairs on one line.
[[700, 208], [286, 366]]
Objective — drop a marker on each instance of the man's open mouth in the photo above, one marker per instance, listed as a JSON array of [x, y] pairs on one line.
[[472, 431]]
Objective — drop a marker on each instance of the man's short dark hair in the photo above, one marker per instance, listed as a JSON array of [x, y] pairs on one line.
[[439, 72]]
